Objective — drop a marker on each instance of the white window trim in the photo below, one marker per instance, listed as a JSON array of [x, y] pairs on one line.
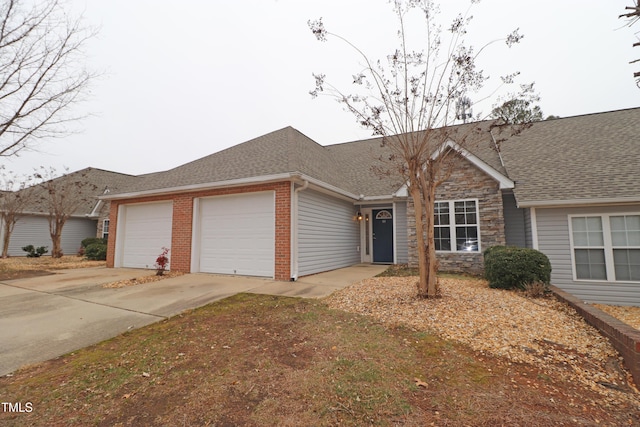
[[608, 247], [452, 226], [105, 221]]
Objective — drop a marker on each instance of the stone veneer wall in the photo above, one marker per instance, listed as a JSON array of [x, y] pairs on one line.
[[466, 182]]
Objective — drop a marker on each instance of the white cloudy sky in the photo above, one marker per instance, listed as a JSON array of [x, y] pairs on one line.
[[184, 79]]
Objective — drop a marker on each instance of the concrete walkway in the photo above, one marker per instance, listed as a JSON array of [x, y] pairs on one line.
[[47, 316]]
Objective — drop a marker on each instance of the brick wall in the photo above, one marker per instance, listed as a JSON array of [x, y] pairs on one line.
[[466, 182], [181, 231], [623, 337]]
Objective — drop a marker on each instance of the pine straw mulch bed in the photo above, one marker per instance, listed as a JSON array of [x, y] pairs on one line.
[[46, 263], [142, 279], [23, 267], [628, 315], [543, 331]]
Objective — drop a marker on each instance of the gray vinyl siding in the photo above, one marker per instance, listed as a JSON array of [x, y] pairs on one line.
[[402, 240], [328, 235], [74, 231], [553, 240], [34, 230], [514, 222]]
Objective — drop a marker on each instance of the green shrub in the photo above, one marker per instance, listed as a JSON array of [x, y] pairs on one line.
[[515, 268], [96, 251], [33, 252], [91, 240]]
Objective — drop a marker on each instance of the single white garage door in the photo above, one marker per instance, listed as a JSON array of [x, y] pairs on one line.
[[237, 234], [145, 231]]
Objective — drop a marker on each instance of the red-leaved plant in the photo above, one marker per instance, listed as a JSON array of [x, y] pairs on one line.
[[162, 261]]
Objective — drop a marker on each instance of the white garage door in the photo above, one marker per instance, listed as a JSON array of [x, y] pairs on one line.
[[237, 234], [145, 231]]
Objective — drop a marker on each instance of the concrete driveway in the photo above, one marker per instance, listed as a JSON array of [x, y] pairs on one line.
[[48, 316]]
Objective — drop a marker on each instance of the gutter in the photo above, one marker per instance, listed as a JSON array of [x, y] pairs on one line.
[[580, 202], [47, 214], [287, 176]]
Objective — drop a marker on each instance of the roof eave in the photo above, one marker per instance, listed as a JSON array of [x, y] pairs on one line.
[[579, 202], [504, 181], [75, 215], [287, 176], [202, 186]]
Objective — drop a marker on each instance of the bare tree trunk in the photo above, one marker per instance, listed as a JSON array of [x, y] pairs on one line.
[[56, 250], [6, 237], [55, 231], [420, 243], [427, 184], [431, 267]]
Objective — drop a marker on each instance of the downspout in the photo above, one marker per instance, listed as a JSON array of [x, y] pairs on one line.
[[294, 229]]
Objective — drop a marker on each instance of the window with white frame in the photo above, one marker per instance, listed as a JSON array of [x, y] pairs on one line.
[[105, 228], [456, 226], [606, 247]]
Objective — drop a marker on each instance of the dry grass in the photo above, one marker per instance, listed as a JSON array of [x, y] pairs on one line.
[[46, 263], [262, 360], [258, 360]]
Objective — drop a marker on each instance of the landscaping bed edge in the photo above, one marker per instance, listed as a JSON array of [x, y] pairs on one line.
[[623, 337]]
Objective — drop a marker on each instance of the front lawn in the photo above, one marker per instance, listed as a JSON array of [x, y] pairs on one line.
[[264, 360]]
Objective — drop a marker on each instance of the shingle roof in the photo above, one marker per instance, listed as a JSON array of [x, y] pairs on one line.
[[347, 166], [578, 158], [285, 150], [360, 159], [583, 158], [98, 181]]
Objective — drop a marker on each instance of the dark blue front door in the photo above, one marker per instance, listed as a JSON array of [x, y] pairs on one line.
[[382, 235]]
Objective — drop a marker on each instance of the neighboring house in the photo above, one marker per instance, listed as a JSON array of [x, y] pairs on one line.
[[91, 220], [282, 206]]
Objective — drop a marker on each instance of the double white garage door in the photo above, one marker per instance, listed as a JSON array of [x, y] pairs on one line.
[[232, 234]]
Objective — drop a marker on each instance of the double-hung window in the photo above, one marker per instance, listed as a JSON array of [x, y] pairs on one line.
[[606, 247], [456, 226], [105, 228]]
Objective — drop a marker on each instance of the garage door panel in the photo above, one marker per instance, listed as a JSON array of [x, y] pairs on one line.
[[147, 229], [237, 234]]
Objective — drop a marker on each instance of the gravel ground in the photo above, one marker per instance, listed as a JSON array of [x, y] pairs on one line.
[[542, 332]]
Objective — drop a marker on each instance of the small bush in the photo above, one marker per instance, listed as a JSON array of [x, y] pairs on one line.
[[91, 240], [514, 268], [536, 289], [96, 251], [33, 252], [162, 261]]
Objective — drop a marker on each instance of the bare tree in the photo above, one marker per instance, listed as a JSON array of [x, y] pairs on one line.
[[633, 15], [410, 100], [41, 73], [63, 196], [13, 202]]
